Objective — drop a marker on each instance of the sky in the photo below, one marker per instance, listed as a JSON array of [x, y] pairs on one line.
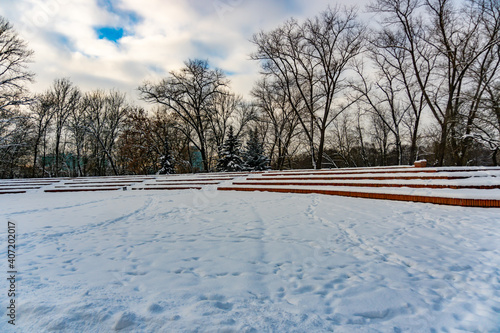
[[105, 44]]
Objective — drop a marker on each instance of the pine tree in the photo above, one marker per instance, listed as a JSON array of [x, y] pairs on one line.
[[255, 160], [167, 161], [229, 154]]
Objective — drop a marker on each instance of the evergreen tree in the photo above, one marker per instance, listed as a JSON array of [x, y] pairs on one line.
[[255, 160], [229, 154], [167, 161]]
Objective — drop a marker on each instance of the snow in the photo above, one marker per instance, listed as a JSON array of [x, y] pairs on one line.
[[489, 194], [322, 175], [472, 181], [211, 261]]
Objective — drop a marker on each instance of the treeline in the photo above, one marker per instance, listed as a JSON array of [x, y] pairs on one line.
[[421, 83]]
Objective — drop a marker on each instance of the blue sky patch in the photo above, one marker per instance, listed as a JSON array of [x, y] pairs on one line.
[[127, 16], [156, 69], [110, 33], [61, 41], [207, 50], [293, 6]]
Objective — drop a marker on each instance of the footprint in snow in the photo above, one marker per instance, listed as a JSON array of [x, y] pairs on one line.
[[224, 306], [155, 308]]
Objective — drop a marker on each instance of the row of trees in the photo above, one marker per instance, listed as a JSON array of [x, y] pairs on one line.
[[423, 84], [428, 56], [70, 133]]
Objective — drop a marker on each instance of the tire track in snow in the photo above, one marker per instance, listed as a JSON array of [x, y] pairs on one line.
[[91, 227], [32, 211], [46, 238]]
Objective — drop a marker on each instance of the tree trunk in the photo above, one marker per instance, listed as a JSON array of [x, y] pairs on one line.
[[58, 139], [78, 160], [204, 158], [399, 150], [319, 163], [442, 144], [35, 157], [413, 147]]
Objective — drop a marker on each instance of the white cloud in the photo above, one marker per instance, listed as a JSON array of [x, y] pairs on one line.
[[62, 34]]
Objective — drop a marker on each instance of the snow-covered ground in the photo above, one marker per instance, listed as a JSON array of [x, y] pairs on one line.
[[212, 261]]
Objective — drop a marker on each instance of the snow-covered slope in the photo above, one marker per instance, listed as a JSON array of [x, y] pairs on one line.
[[213, 261]]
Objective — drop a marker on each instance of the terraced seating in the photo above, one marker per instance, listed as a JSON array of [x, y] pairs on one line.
[[188, 187], [17, 186], [115, 183], [197, 180], [434, 186], [187, 182], [79, 189], [474, 187], [12, 191], [93, 184], [360, 171]]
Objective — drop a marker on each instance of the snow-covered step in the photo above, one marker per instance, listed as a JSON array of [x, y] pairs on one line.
[[378, 171], [186, 187], [82, 189], [27, 183], [364, 176], [195, 180], [12, 191], [187, 182], [470, 198], [476, 187], [237, 174], [369, 184], [17, 187], [94, 185], [130, 181], [112, 178]]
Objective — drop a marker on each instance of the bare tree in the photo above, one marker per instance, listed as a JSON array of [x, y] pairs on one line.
[[104, 116], [16, 146], [76, 126], [14, 75], [245, 113], [479, 110], [312, 59], [165, 136], [219, 118], [383, 100], [14, 57], [41, 115], [487, 127], [392, 92], [276, 111], [63, 98], [138, 152], [444, 43], [343, 138], [189, 94]]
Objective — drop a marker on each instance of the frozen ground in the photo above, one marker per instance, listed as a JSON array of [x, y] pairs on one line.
[[212, 261]]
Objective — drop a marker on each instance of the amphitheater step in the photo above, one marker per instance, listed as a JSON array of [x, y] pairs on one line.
[[466, 202]]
